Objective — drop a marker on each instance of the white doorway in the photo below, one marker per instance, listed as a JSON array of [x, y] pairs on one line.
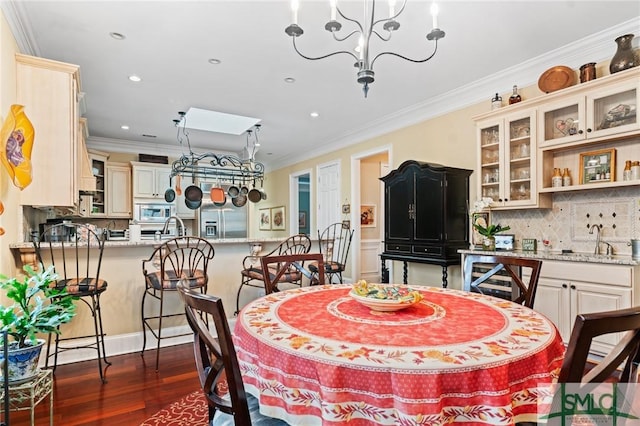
[[300, 201], [328, 205], [367, 190]]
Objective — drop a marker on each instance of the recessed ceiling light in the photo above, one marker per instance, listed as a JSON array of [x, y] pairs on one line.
[[289, 80], [124, 127], [117, 36], [314, 114], [135, 78], [214, 61]]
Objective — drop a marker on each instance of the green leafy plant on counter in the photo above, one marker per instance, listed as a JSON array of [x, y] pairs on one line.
[[490, 230], [38, 307]]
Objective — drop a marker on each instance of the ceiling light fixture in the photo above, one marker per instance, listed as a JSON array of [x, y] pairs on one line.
[[124, 127], [135, 78], [214, 61], [117, 36], [363, 32]]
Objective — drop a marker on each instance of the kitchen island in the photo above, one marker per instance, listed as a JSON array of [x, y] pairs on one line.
[[576, 283], [121, 303]]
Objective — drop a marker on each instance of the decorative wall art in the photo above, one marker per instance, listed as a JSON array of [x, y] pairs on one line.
[[17, 136], [265, 219], [598, 166], [368, 215], [278, 220]]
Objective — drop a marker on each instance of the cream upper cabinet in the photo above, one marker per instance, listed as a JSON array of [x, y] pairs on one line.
[[87, 179], [49, 92], [150, 181], [596, 114], [507, 160], [119, 190]]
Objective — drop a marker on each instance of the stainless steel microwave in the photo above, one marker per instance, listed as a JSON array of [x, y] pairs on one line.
[[153, 213]]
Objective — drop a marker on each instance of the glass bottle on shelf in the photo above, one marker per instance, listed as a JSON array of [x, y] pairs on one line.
[[626, 173], [515, 97], [556, 179], [566, 177], [496, 102]]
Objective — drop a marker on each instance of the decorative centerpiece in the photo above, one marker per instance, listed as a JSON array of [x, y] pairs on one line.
[[385, 297], [38, 308], [489, 234]]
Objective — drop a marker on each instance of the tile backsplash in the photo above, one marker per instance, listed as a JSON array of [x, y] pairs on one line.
[[615, 210]]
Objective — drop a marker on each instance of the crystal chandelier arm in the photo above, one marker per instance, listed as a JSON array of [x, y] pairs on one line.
[[381, 37], [336, 38], [417, 61], [310, 58]]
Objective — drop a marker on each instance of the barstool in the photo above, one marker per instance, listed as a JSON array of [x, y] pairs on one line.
[[75, 251], [181, 259]]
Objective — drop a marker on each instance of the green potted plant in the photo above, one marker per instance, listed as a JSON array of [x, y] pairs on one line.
[[489, 234], [38, 307]]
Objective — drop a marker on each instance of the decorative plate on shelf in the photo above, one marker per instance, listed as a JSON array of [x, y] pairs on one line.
[[385, 297], [556, 78]]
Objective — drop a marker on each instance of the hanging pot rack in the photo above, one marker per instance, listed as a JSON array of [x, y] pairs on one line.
[[222, 168]]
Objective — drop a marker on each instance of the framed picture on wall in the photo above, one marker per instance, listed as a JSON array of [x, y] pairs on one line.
[[265, 219], [278, 220], [302, 219], [368, 215]]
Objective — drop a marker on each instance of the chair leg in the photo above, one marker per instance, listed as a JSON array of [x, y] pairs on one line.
[[101, 327], [242, 281], [144, 329], [95, 312], [159, 330]]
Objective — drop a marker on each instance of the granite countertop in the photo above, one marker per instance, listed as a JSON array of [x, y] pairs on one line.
[[151, 242], [622, 259]]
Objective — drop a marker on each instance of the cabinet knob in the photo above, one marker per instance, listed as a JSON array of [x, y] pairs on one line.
[[506, 199], [573, 287], [499, 200], [580, 132], [564, 286], [588, 130]]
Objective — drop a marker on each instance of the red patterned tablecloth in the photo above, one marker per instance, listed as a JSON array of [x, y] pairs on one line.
[[316, 356]]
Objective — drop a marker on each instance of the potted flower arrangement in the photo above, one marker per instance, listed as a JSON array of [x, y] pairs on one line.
[[489, 234], [38, 307]]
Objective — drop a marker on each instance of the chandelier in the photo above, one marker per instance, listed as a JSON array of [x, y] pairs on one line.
[[364, 31], [225, 168]]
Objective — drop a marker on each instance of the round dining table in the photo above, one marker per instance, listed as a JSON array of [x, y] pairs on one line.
[[317, 356]]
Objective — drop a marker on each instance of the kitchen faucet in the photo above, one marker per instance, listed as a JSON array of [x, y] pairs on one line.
[[597, 228], [181, 231]]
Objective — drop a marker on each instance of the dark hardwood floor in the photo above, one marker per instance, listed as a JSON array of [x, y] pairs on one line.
[[133, 392]]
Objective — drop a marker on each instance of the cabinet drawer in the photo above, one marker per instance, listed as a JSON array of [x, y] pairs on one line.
[[428, 250], [404, 248], [618, 275]]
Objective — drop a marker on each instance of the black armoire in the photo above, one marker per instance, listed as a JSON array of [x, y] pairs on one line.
[[426, 215]]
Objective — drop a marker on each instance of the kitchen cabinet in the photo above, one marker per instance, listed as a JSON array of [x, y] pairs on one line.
[[150, 181], [87, 181], [596, 113], [507, 161], [49, 91], [566, 289], [118, 191], [97, 199], [425, 215]]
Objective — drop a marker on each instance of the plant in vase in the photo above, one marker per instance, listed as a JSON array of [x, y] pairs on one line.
[[489, 234], [38, 307]]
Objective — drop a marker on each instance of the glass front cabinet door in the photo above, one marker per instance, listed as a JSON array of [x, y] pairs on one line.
[[507, 160], [601, 113]]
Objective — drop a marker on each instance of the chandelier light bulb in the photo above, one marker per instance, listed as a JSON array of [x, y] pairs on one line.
[[333, 4], [434, 14], [392, 8], [295, 5]]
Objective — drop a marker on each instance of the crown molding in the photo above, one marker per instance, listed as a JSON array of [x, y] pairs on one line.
[[136, 147]]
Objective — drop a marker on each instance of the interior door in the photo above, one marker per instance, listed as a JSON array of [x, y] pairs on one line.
[[328, 207]]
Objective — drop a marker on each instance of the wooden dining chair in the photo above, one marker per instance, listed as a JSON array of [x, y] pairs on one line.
[[251, 273], [216, 362], [502, 276], [627, 351], [285, 268]]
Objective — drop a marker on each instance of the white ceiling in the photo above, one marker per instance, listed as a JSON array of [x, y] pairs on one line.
[[489, 46]]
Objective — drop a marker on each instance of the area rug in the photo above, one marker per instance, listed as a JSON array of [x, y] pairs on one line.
[[190, 410]]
